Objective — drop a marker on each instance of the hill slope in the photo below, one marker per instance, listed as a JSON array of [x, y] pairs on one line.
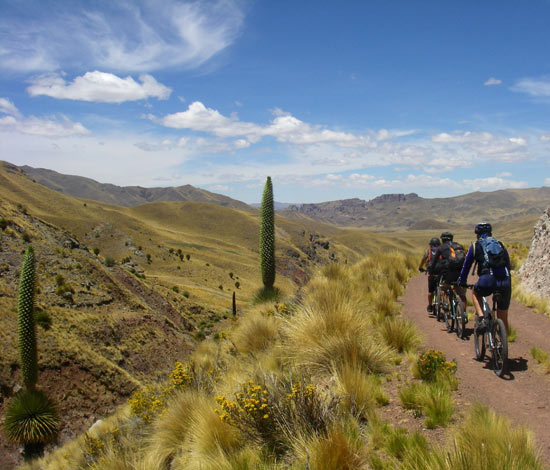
[[410, 211], [127, 196]]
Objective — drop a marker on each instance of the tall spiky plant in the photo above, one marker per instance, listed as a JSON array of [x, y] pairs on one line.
[[267, 236], [31, 417], [26, 329]]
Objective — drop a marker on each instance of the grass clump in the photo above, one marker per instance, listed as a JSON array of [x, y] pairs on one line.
[[266, 294], [400, 334], [434, 400], [256, 332], [542, 357]]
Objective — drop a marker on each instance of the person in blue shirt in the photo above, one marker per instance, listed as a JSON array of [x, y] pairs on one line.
[[494, 276]]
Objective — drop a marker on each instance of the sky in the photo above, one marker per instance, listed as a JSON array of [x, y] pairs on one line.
[[332, 99]]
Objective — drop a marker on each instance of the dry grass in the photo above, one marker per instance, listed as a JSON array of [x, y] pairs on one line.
[[537, 303], [257, 331]]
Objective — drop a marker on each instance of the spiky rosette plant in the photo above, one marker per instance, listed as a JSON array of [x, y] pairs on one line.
[[267, 236], [31, 419], [25, 327]]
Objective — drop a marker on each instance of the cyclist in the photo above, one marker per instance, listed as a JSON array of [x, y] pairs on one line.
[[432, 280], [493, 269], [447, 264]]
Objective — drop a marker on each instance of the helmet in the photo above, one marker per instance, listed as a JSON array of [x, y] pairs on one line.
[[435, 242], [483, 227], [447, 236]]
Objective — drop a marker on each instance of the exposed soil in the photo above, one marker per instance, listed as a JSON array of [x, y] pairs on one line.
[[524, 394]]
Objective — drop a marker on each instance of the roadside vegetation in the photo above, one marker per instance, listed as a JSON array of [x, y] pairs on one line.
[[303, 384]]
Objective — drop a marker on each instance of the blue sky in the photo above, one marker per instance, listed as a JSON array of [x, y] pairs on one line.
[[331, 99]]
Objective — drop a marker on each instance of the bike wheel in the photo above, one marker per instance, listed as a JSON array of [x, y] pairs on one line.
[[499, 348], [460, 319], [479, 344], [438, 310], [448, 316]]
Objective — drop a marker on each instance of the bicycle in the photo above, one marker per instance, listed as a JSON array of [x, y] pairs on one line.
[[436, 297], [494, 338], [454, 314]]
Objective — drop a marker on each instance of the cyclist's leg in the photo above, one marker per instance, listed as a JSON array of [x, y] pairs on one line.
[[431, 290], [505, 289], [484, 287]]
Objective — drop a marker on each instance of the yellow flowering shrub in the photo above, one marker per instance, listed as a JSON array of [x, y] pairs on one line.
[[150, 402], [433, 362]]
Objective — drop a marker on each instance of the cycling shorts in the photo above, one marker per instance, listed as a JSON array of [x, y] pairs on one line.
[[489, 284]]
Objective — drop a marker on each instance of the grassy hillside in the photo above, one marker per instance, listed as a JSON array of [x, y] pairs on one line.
[[78, 186], [325, 383]]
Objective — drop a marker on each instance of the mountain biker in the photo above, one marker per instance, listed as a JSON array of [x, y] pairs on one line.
[[425, 261], [492, 278], [443, 265]]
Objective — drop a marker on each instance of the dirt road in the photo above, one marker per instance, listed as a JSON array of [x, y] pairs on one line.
[[524, 394]]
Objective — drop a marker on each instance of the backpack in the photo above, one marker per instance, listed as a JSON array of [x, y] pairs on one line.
[[456, 256], [431, 253], [494, 256]]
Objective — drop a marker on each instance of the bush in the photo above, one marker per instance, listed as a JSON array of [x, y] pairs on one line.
[[109, 262], [3, 223], [176, 289], [431, 362], [96, 251], [42, 319]]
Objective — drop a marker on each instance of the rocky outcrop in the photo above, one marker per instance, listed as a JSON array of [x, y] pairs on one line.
[[535, 272]]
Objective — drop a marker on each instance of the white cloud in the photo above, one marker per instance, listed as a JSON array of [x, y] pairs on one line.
[[7, 107], [124, 36], [493, 81], [547, 182], [539, 87], [99, 87], [493, 183], [545, 137], [51, 127]]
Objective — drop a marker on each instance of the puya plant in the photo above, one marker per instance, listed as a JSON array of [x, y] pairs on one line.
[[31, 417], [267, 237]]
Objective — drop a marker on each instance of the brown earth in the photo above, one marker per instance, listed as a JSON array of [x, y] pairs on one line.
[[523, 394]]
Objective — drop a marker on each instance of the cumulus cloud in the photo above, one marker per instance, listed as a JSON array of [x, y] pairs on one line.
[[545, 137], [539, 87], [125, 36], [547, 182], [99, 87], [493, 81]]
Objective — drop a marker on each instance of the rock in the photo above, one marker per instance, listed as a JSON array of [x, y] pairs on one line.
[[535, 272]]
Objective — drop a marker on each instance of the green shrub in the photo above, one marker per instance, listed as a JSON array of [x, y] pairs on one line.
[[96, 251], [109, 262], [176, 289], [3, 223], [42, 319]]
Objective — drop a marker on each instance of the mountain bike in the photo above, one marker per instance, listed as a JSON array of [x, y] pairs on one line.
[[453, 311], [494, 338], [436, 297]]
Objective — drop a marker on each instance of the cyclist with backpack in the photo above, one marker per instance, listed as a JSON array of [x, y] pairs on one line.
[[432, 280], [493, 269], [447, 262]]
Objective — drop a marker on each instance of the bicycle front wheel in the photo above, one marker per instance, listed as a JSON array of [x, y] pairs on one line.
[[479, 343], [500, 348], [460, 319]]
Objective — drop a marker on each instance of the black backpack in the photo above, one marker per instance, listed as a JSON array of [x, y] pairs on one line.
[[457, 255]]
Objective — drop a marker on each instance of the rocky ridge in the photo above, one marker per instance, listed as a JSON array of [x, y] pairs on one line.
[[535, 272]]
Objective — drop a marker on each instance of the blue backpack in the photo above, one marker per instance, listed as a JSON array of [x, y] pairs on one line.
[[494, 255]]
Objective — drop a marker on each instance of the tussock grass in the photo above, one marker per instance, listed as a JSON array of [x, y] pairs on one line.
[[342, 447], [485, 441], [256, 332], [537, 303], [401, 334], [361, 392], [542, 357], [432, 399]]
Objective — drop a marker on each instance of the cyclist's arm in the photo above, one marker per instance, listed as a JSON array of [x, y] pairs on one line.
[[463, 279], [424, 260]]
